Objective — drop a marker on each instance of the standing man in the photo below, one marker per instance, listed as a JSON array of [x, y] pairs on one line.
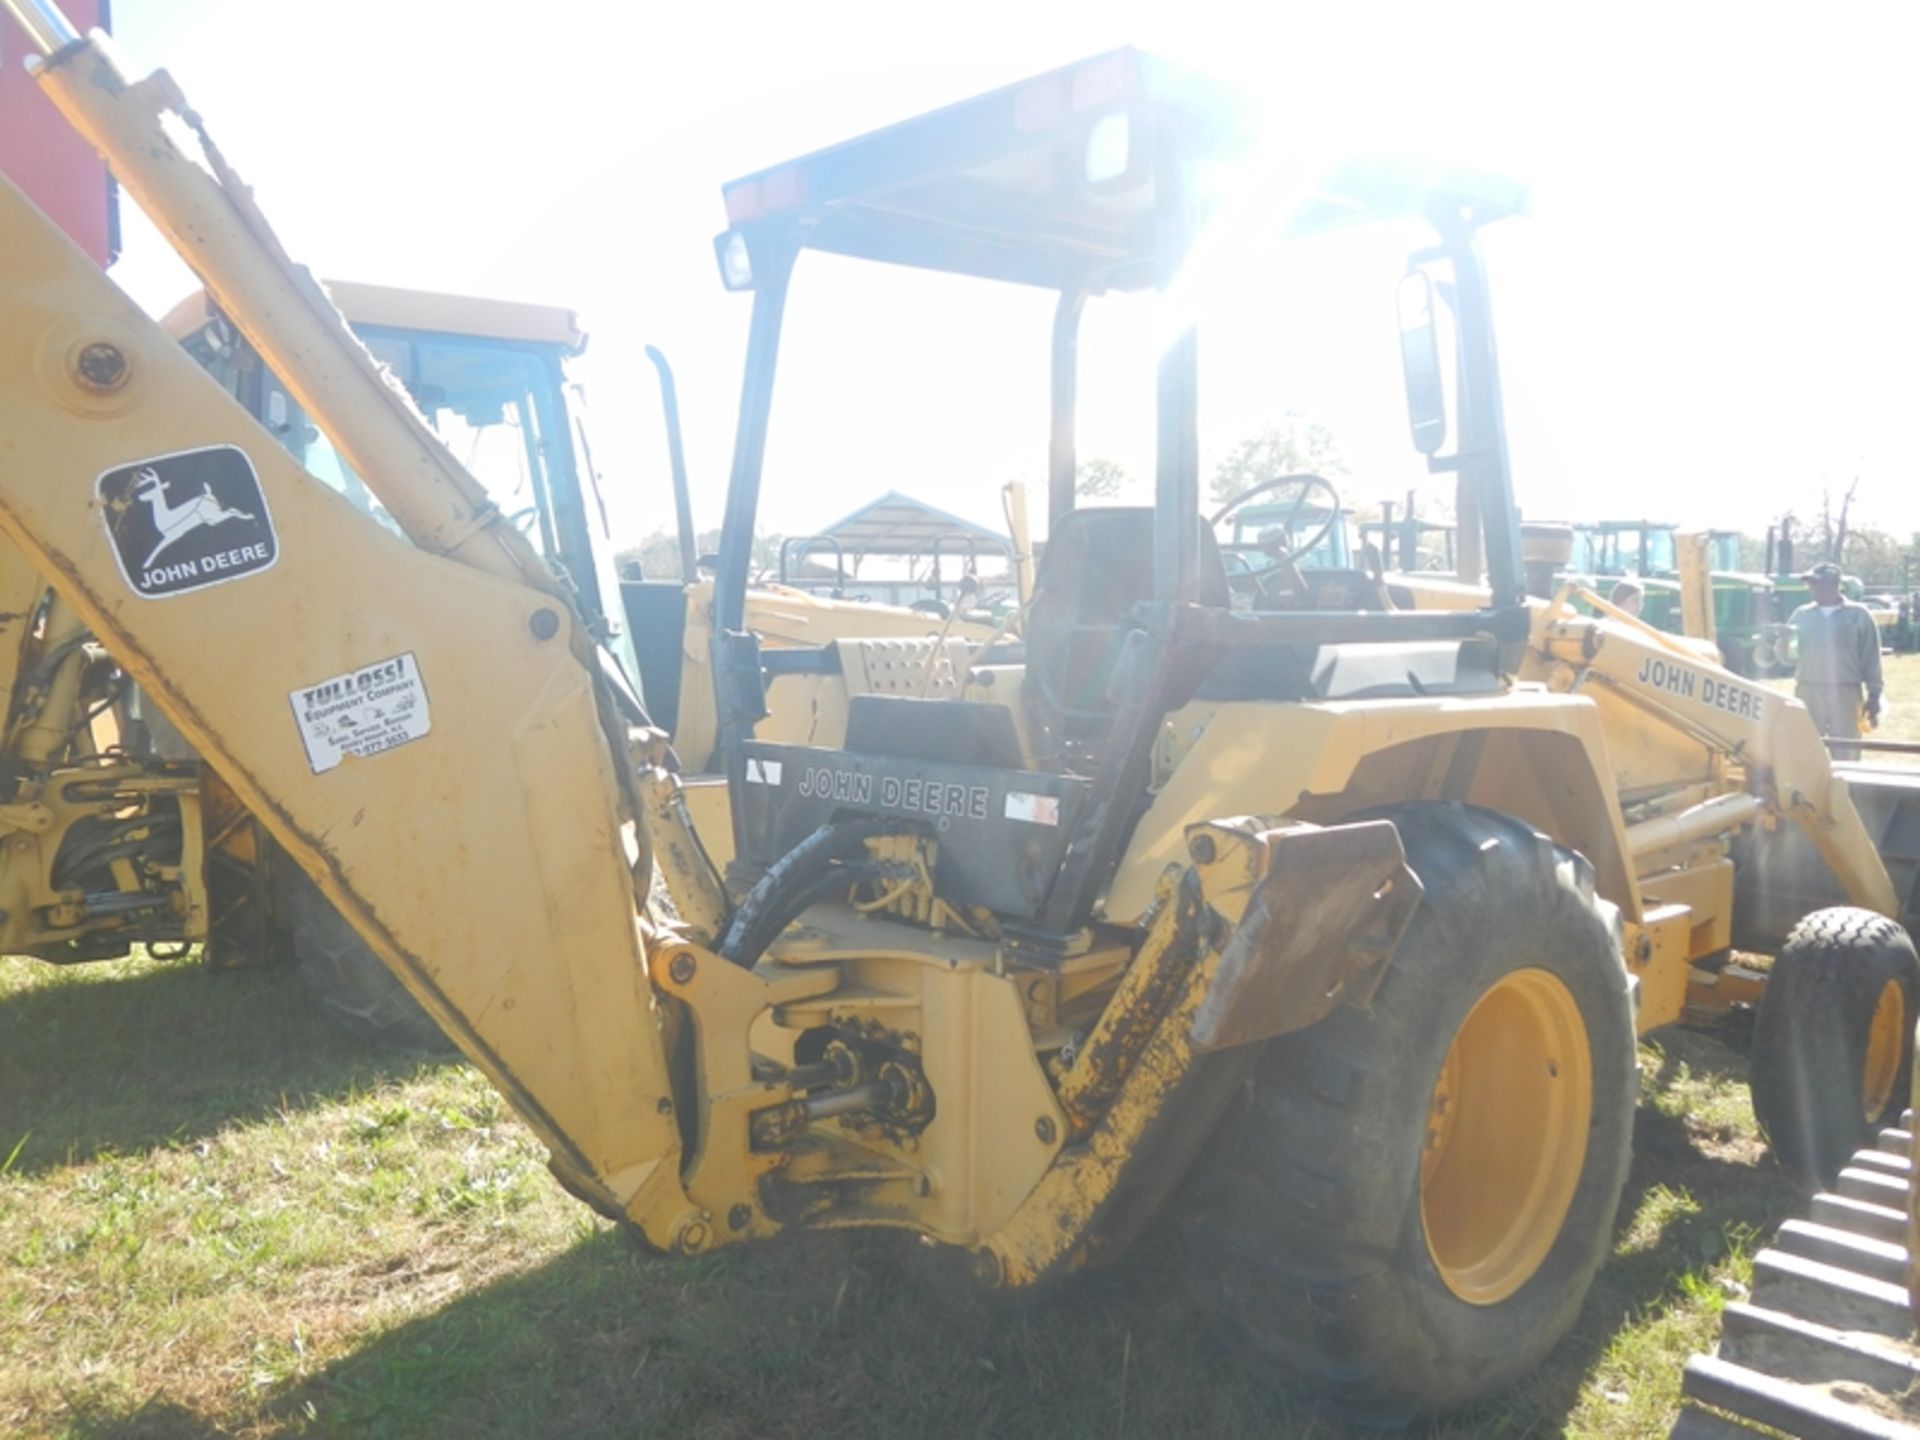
[[1839, 654], [1630, 596]]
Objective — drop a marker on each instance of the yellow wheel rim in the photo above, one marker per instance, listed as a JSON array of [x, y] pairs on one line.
[[1886, 1038], [1506, 1136]]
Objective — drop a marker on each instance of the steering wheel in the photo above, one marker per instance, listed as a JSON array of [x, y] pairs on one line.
[[1277, 542]]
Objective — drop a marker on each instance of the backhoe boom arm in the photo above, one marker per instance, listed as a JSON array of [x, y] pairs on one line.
[[414, 723]]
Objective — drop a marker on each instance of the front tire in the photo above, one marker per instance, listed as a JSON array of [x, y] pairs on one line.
[[1833, 1039], [1406, 1205], [350, 982]]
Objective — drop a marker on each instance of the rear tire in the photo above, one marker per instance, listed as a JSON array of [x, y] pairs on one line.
[[349, 981], [1406, 1205], [1833, 1039]]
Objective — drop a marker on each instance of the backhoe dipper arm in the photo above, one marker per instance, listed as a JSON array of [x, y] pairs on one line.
[[413, 723]]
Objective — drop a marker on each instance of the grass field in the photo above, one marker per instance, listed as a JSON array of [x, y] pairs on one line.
[[221, 1218], [218, 1217]]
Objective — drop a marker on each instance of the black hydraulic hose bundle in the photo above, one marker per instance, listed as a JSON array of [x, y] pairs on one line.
[[815, 868], [92, 844]]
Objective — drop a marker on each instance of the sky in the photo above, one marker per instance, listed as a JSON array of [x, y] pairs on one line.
[[1707, 320]]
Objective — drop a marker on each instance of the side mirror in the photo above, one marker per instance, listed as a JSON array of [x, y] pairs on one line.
[[1420, 362]]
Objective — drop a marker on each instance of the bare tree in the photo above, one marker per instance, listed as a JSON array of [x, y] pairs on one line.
[[1874, 555], [1840, 530]]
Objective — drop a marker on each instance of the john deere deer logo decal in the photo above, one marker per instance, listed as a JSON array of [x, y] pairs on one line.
[[176, 522], [184, 522]]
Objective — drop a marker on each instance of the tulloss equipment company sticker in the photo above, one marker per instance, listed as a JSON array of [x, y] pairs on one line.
[[186, 521], [363, 712]]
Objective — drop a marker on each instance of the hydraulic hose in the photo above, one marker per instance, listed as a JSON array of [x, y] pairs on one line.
[[834, 880], [804, 875]]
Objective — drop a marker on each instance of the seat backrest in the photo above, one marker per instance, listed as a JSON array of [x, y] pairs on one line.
[[1098, 564]]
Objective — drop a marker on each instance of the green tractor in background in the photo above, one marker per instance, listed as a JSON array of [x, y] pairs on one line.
[[1748, 617]]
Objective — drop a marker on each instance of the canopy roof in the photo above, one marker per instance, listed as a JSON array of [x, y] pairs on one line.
[[997, 186], [424, 310]]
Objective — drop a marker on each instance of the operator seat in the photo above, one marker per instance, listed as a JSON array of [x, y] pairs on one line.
[[1097, 565]]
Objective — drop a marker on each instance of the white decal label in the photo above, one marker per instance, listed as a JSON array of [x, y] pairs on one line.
[[763, 772], [364, 712], [1034, 809]]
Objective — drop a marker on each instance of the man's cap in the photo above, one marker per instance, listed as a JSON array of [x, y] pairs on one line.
[[1825, 570]]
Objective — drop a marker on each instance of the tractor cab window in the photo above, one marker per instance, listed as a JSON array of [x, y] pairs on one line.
[[1659, 556], [1620, 554], [1637, 550], [315, 452], [239, 371], [493, 406], [505, 409], [1586, 558]]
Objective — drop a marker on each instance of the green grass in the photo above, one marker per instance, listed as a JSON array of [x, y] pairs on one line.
[[1901, 718], [223, 1218]]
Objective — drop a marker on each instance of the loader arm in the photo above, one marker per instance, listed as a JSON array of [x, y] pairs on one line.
[[1769, 736], [417, 724]]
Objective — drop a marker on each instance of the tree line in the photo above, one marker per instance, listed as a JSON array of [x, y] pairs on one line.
[[1828, 531], [1824, 530]]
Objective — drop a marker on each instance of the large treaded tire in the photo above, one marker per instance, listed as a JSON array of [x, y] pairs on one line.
[[1304, 1222], [1811, 1040], [350, 982]]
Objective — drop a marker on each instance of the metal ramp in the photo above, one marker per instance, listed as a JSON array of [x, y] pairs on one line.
[[1825, 1349]]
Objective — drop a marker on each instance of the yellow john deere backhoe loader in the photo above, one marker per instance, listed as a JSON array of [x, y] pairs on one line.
[[1316, 930]]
